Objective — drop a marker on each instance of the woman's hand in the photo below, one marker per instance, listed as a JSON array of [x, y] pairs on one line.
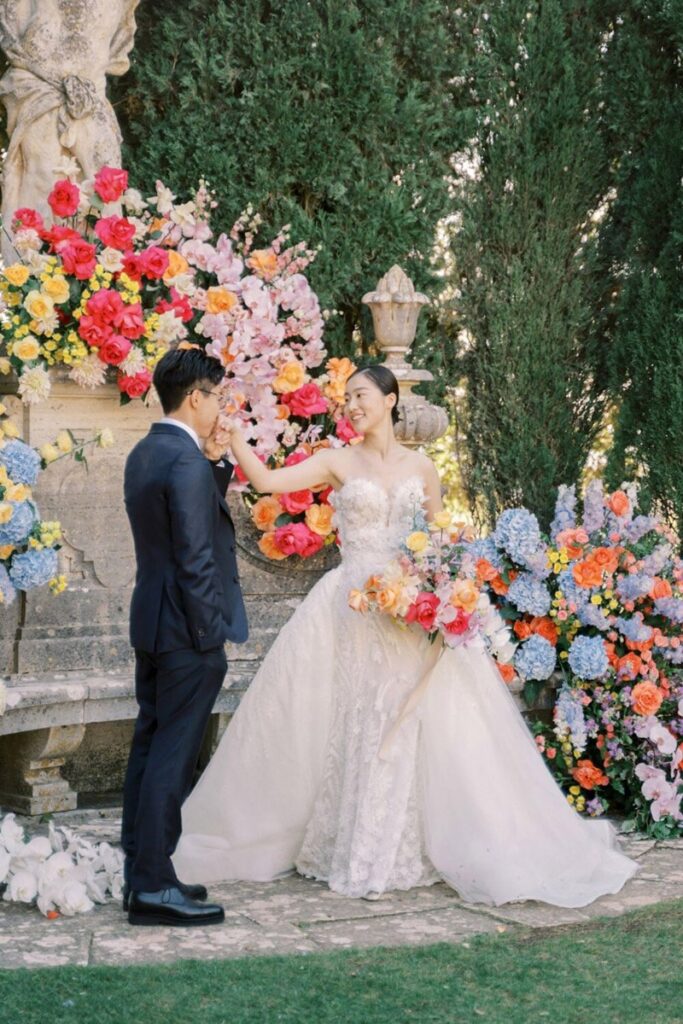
[[221, 439]]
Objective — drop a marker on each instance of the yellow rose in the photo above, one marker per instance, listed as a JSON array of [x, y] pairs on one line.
[[105, 438], [6, 550], [48, 453], [38, 306], [6, 512], [10, 428], [64, 442], [465, 595], [26, 349], [18, 492], [220, 300], [17, 274], [442, 520], [177, 264], [417, 541], [319, 519], [290, 378], [56, 289], [388, 599]]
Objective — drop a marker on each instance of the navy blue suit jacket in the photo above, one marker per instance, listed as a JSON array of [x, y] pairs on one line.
[[187, 592]]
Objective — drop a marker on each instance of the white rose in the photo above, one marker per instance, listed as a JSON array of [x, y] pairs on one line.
[[4, 864], [133, 201], [11, 835], [111, 260], [33, 853], [56, 868], [72, 899], [22, 887]]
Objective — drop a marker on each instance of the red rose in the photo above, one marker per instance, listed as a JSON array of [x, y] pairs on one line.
[[60, 235], [423, 610], [132, 266], [153, 261], [306, 401], [297, 539], [78, 258], [111, 183], [296, 501], [459, 624], [64, 198], [137, 386], [344, 430], [323, 496], [28, 218], [106, 305], [129, 321], [179, 304], [296, 457], [93, 331], [115, 349], [116, 232]]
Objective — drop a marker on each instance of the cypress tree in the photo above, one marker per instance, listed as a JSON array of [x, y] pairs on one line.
[[337, 118]]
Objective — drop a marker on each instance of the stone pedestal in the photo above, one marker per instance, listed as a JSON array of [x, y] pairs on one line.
[[30, 769]]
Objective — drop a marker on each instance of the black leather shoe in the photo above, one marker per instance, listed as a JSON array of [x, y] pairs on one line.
[[195, 892], [171, 907]]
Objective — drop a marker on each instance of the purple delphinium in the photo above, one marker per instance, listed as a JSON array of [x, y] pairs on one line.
[[593, 507], [565, 505]]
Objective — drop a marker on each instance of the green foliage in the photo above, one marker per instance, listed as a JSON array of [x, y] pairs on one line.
[[643, 242], [522, 325], [338, 119]]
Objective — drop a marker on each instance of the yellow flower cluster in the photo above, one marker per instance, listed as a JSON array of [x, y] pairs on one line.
[[58, 584], [576, 797], [49, 534], [558, 560]]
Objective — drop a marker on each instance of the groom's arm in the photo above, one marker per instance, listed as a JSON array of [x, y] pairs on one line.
[[191, 503], [222, 474]]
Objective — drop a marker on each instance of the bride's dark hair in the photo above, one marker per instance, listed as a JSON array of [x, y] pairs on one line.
[[384, 379]]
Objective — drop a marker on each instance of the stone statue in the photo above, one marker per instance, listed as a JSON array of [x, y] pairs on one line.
[[55, 91]]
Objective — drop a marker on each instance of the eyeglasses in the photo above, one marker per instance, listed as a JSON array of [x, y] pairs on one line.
[[204, 392]]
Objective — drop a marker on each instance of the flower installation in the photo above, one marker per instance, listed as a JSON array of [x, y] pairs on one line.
[[598, 606], [117, 280], [61, 873]]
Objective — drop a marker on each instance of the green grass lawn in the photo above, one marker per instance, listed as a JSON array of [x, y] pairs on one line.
[[617, 971]]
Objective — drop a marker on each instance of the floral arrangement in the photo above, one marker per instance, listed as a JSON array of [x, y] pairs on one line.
[[117, 279], [60, 873], [29, 545], [433, 585], [599, 606]]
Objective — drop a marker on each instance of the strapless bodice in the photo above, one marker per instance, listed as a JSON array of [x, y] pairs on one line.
[[374, 522]]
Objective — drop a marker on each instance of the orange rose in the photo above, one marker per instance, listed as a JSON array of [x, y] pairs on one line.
[[544, 626], [319, 519], [660, 588], [342, 369], [335, 391], [358, 601], [619, 503], [263, 262], [646, 698], [587, 573], [177, 264], [629, 666], [606, 558], [589, 775], [265, 511], [220, 300], [290, 378], [507, 672], [572, 540], [610, 651], [269, 548], [499, 587], [485, 571], [522, 629], [388, 599], [465, 595]]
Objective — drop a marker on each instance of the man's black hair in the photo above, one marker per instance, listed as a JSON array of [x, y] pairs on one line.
[[181, 370]]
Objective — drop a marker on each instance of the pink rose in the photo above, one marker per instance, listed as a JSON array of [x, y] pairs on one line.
[[153, 262], [28, 218], [78, 258], [458, 625], [296, 501], [129, 321], [306, 401], [111, 183], [297, 539], [132, 266], [59, 236], [106, 305], [296, 457], [115, 349], [344, 430], [116, 232], [179, 304], [64, 198], [137, 386], [94, 331], [423, 610]]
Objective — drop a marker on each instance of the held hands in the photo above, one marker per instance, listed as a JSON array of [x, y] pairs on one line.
[[222, 438]]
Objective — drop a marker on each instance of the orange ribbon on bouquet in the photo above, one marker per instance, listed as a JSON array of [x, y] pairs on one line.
[[413, 699]]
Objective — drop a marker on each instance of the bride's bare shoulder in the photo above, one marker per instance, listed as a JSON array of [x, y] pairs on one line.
[[421, 465]]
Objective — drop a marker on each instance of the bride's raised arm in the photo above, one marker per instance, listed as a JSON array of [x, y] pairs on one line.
[[316, 470]]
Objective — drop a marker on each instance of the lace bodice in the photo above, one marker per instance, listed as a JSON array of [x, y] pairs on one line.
[[374, 522]]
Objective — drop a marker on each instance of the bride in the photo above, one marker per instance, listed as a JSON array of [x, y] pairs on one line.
[[303, 778]]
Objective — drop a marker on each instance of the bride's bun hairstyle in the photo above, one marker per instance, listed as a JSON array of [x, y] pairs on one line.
[[384, 379]]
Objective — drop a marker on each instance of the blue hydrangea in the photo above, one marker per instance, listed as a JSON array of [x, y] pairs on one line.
[[588, 658], [593, 615], [535, 658], [485, 547], [634, 629], [569, 718], [570, 588], [528, 595], [594, 507], [633, 586], [20, 525], [6, 589], [518, 533], [565, 505], [33, 568], [21, 462]]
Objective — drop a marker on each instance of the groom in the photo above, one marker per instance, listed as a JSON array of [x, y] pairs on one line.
[[186, 603]]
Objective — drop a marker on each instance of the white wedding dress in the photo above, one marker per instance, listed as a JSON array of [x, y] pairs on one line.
[[461, 795]]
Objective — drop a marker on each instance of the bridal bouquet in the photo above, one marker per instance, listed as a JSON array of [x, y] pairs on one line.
[[433, 585], [599, 605]]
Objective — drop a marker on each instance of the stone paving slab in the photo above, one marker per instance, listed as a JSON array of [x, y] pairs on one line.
[[295, 915]]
